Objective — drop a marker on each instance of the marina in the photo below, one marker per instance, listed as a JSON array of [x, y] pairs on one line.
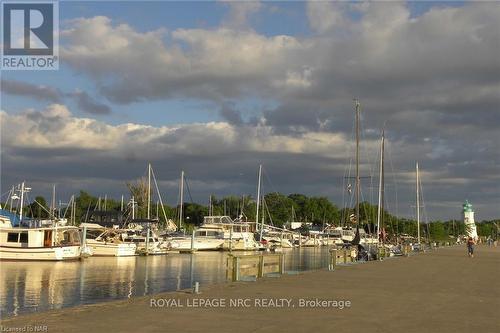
[[253, 166], [442, 280], [40, 286]]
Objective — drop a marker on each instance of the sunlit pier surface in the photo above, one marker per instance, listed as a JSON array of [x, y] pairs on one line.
[[440, 290]]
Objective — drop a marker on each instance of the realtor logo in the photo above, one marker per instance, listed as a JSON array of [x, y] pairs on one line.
[[29, 38]]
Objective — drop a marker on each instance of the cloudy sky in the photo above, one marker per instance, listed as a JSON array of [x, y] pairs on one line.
[[216, 88]]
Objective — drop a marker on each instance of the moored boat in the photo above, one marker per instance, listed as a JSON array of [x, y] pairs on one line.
[[23, 242]]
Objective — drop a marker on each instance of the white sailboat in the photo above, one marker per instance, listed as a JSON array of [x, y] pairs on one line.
[[107, 242]]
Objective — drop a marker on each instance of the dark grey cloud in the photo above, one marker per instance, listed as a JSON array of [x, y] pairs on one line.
[[26, 89], [84, 101], [231, 115], [87, 104]]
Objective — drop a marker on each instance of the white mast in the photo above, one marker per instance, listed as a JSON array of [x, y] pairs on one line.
[[22, 201], [181, 213], [149, 191], [133, 207], [258, 202], [357, 165], [53, 203], [418, 204], [380, 185]]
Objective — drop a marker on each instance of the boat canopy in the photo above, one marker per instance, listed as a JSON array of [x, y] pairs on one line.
[[14, 219]]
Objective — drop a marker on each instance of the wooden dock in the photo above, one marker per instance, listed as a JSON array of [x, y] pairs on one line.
[[441, 290]]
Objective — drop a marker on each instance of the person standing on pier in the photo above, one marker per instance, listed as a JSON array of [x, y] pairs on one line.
[[470, 247]]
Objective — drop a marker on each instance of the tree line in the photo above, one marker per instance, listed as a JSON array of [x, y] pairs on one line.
[[276, 209]]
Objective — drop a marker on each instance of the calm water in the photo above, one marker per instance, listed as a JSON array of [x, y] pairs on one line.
[[39, 286]]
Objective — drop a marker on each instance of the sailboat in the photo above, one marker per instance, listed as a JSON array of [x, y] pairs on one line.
[[141, 232], [201, 239], [360, 239]]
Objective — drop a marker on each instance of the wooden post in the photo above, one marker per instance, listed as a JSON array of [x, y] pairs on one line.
[[236, 268], [282, 263], [333, 260]]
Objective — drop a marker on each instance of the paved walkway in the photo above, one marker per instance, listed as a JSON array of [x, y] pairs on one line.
[[439, 291]]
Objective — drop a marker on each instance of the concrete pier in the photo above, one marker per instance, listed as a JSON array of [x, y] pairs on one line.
[[438, 291]]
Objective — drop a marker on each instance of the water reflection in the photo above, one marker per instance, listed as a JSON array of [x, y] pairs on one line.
[[38, 286]]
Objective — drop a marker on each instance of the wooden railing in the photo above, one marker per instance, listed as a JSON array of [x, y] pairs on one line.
[[241, 267]]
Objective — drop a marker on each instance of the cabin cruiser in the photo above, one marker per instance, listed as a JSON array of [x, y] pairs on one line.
[[201, 240], [107, 242], [237, 235], [27, 240], [277, 239], [145, 244]]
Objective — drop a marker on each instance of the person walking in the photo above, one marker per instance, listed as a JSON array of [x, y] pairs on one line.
[[470, 247]]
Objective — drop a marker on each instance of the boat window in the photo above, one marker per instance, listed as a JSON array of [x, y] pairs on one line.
[[23, 237], [12, 237]]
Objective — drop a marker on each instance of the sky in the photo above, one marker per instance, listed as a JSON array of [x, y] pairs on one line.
[[217, 88]]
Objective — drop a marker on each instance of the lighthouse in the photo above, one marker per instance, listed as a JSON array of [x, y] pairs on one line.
[[468, 216]]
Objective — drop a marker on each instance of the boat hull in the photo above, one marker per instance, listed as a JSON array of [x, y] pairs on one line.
[[199, 244], [58, 253], [112, 250]]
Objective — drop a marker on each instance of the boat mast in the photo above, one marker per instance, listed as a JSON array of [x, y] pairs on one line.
[[149, 191], [357, 162], [133, 207], [258, 202], [53, 203], [22, 202], [418, 204], [380, 210], [181, 199]]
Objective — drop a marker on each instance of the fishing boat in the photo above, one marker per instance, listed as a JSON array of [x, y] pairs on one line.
[[47, 243], [106, 242], [22, 239]]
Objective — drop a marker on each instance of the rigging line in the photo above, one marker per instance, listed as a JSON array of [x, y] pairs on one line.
[[159, 196], [188, 189], [273, 188], [45, 209], [395, 182], [6, 193], [423, 202], [266, 207]]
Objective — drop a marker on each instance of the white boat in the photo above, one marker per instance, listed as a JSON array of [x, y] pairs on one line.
[[237, 235], [278, 239], [312, 241], [202, 240], [152, 245], [107, 242], [46, 243], [28, 240]]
